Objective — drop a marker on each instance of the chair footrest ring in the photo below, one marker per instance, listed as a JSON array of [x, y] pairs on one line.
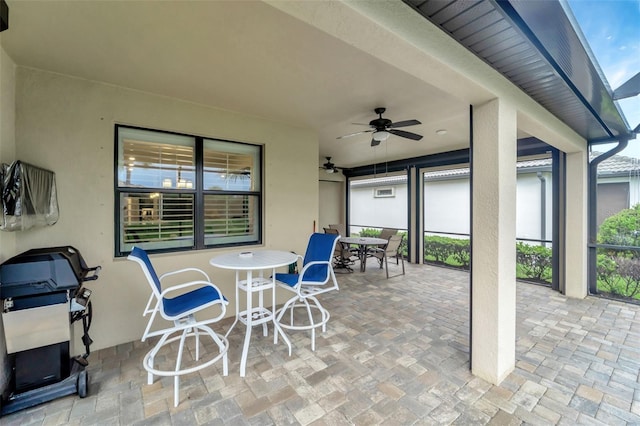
[[172, 373], [325, 316]]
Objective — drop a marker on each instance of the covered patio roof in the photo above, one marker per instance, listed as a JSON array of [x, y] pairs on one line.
[[318, 67], [327, 65], [539, 47]]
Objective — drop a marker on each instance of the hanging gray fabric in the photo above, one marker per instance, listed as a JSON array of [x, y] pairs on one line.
[[29, 197]]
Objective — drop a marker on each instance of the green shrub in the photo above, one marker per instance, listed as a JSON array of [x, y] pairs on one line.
[[447, 251], [535, 261], [618, 271], [606, 273], [629, 271], [622, 228], [461, 252], [404, 250], [438, 247], [370, 232]]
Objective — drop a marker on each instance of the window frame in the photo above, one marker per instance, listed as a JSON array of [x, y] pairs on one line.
[[197, 191]]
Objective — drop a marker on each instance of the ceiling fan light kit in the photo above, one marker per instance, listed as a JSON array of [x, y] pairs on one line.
[[381, 136]]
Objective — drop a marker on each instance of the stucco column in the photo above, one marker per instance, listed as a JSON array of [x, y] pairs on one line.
[[493, 275], [576, 225]]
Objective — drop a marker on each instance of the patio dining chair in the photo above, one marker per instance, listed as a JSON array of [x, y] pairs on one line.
[[341, 228], [342, 231], [179, 304], [316, 277], [392, 249], [342, 255], [385, 234]]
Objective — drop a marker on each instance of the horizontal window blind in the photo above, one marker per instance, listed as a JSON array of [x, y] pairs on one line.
[[155, 162], [157, 220], [230, 167], [230, 218]]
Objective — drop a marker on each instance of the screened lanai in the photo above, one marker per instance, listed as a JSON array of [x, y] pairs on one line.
[[290, 78]]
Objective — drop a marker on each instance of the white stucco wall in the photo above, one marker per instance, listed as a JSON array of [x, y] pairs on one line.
[[528, 206], [7, 155], [67, 125], [446, 206], [378, 212], [331, 201], [7, 133]]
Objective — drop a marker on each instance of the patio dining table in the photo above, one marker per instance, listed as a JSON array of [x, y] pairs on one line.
[[362, 243]]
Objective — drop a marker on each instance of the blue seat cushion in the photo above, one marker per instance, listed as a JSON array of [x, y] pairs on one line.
[[289, 279], [178, 305]]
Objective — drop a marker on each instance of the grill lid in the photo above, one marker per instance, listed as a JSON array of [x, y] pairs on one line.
[[42, 271]]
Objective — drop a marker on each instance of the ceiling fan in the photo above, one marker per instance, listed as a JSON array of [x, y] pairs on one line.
[[329, 167], [383, 127]]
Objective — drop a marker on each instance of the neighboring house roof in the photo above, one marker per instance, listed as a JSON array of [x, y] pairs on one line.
[[379, 181], [618, 165]]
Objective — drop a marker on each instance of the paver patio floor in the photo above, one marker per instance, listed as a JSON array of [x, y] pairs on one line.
[[395, 352]]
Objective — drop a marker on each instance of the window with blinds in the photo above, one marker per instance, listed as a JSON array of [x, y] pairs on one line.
[[231, 197], [179, 192]]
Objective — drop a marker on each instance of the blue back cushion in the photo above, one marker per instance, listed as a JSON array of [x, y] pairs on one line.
[[142, 255], [320, 248]]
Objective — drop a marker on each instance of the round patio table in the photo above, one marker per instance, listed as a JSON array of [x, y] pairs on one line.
[[362, 243], [249, 262]]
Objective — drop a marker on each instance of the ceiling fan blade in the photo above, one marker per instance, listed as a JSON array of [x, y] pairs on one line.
[[354, 134], [375, 142], [404, 123], [405, 134]]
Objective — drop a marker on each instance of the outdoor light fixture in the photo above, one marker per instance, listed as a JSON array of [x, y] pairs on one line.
[[381, 136]]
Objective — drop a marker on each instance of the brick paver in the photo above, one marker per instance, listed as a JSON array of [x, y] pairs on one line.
[[395, 352]]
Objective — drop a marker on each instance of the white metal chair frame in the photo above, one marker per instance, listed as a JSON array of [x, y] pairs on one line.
[[307, 291], [184, 322]]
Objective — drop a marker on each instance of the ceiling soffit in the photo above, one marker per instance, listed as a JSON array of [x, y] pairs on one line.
[[535, 46]]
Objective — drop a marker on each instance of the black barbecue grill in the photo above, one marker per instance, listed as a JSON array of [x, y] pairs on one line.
[[42, 294]]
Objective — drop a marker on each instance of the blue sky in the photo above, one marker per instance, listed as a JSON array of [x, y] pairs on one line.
[[612, 29]]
